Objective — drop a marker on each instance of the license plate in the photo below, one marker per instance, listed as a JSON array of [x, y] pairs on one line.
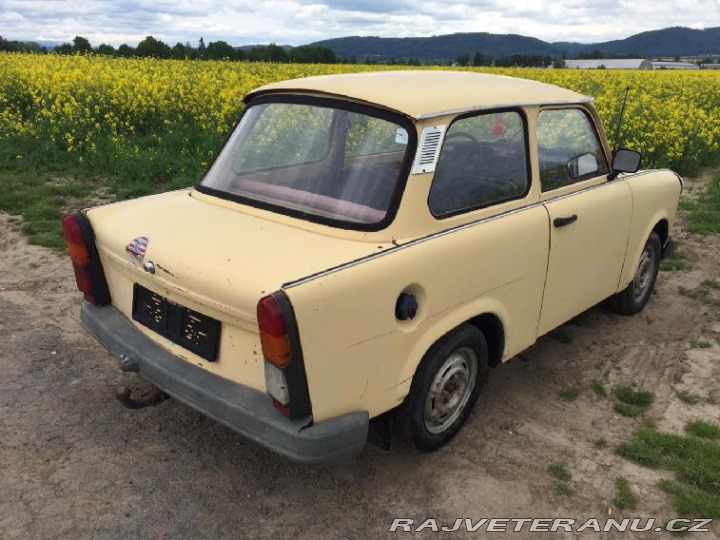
[[194, 331]]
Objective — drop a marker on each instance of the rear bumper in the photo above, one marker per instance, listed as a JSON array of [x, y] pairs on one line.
[[238, 407]]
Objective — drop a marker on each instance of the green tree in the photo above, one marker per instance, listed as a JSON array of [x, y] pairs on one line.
[[65, 48], [106, 49], [125, 50], [217, 50], [151, 46], [312, 54], [81, 45], [463, 60], [179, 51]]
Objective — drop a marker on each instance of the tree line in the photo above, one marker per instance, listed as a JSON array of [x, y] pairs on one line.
[[514, 60], [214, 50]]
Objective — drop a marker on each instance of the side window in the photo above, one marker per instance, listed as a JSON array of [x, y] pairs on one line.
[[569, 150], [482, 161]]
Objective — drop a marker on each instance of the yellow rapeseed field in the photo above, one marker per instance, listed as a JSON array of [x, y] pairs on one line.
[[110, 111]]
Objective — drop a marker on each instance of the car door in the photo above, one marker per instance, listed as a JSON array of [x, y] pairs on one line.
[[589, 215]]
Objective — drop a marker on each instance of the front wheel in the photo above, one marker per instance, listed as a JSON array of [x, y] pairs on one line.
[[445, 388], [633, 298]]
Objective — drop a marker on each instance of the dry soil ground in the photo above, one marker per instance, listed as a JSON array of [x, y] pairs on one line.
[[75, 464]]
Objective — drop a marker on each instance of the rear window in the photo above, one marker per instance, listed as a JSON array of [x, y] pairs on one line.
[[319, 162]]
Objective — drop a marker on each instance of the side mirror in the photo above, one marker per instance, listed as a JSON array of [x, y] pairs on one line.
[[626, 160], [582, 165]]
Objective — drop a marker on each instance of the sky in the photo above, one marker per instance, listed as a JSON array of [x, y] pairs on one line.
[[297, 22]]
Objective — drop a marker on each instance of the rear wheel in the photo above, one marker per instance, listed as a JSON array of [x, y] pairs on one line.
[[445, 388], [635, 296]]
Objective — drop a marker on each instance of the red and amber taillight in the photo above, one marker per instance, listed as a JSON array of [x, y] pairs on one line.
[[88, 272], [273, 332], [285, 379]]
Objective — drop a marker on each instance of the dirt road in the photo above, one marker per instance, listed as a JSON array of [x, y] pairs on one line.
[[75, 464]]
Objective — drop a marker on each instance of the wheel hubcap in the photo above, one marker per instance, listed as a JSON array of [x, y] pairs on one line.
[[643, 276], [450, 390]]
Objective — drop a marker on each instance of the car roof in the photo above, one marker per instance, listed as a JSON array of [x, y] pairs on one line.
[[426, 93]]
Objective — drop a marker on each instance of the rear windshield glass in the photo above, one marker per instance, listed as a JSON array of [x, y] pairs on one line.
[[313, 160]]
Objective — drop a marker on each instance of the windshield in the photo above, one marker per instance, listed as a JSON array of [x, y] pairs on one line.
[[318, 162]]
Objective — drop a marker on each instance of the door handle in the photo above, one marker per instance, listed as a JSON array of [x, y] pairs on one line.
[[562, 221]]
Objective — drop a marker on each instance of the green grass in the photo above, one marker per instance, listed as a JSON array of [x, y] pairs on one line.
[[703, 213], [564, 489], [631, 401], [703, 429], [703, 292], [677, 261], [569, 394], [695, 491], [699, 343], [600, 442], [692, 501], [708, 293], [624, 498], [598, 387], [632, 396], [686, 396], [559, 470], [625, 409]]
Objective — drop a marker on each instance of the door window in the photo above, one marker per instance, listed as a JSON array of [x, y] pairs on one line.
[[569, 149], [483, 161]]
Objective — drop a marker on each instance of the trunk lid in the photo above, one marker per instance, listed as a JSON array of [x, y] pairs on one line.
[[213, 252]]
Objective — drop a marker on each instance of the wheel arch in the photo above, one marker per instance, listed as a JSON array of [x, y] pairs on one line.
[[662, 228], [659, 224], [492, 328], [488, 315]]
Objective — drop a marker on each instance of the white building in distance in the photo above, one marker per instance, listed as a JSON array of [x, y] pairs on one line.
[[626, 63], [674, 65], [609, 63]]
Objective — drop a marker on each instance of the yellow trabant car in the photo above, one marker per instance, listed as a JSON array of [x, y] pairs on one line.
[[364, 248]]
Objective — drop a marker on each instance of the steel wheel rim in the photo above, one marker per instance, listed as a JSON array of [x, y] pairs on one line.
[[450, 390], [643, 276]]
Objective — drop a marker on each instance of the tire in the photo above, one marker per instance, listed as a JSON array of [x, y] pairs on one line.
[[635, 296], [457, 366]]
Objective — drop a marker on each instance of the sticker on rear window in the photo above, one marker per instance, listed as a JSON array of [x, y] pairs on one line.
[[401, 136]]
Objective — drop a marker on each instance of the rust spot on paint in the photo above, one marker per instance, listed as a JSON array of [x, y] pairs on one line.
[[164, 270]]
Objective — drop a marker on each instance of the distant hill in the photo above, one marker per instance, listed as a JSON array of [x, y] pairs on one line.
[[442, 48], [676, 41]]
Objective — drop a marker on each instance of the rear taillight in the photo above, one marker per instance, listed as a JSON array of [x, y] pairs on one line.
[[88, 273], [273, 332], [285, 379]]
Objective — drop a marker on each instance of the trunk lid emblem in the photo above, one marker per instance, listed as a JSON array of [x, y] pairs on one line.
[[138, 247]]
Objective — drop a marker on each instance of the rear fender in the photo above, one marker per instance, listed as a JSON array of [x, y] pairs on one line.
[[444, 325]]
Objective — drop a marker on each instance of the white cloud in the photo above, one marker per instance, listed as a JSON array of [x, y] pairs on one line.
[[302, 21]]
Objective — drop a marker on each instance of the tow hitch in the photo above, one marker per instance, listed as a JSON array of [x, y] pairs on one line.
[[154, 396]]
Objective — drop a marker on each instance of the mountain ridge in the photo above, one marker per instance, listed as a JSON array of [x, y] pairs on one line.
[[672, 41]]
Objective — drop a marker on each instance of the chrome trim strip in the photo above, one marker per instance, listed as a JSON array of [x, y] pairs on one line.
[[439, 234], [425, 116]]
